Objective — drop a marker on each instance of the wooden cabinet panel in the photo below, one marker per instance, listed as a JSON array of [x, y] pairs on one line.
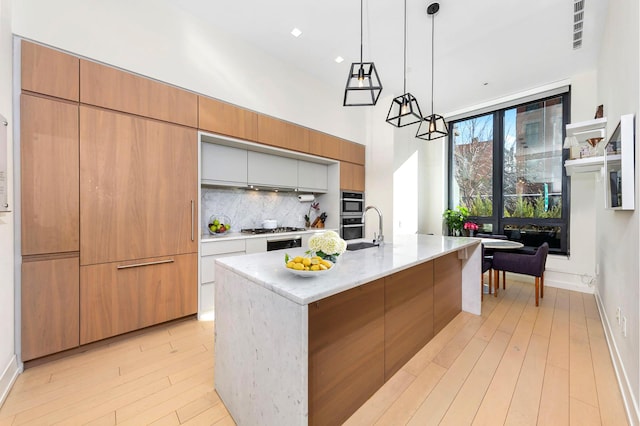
[[272, 131], [226, 119], [50, 301], [138, 187], [49, 71], [408, 316], [223, 165], [352, 176], [447, 290], [352, 152], [346, 352], [49, 175], [112, 88], [115, 300], [324, 145]]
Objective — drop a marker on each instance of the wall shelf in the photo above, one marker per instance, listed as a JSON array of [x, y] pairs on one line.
[[584, 130], [584, 165]]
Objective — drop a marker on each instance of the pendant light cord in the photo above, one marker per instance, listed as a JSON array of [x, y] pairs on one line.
[[361, 32], [405, 47], [433, 23]]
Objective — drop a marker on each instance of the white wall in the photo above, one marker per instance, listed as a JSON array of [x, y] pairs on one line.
[[155, 38], [617, 232], [8, 365]]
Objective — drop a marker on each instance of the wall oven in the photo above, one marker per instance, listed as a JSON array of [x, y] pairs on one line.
[[351, 228], [351, 203]]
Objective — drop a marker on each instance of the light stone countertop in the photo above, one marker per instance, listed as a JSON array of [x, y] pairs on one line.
[[352, 269]]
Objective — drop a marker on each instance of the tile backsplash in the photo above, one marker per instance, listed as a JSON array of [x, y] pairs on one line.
[[247, 208]]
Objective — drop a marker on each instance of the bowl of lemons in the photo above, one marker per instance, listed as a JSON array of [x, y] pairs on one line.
[[218, 224], [302, 266]]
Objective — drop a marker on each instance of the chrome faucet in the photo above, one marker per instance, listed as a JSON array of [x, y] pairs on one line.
[[380, 238]]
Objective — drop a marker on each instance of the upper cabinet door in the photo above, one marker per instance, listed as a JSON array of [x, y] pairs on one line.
[[312, 176], [49, 72], [122, 91], [352, 152], [226, 119], [49, 175], [324, 145], [138, 187], [272, 131], [352, 176], [272, 170], [223, 165]]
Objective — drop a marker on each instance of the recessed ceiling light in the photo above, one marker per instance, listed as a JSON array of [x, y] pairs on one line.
[[296, 32], [339, 59]]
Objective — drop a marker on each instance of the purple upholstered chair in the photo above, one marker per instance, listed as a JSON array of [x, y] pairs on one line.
[[526, 264]]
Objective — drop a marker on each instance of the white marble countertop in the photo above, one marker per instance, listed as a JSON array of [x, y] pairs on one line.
[[353, 268], [207, 237]]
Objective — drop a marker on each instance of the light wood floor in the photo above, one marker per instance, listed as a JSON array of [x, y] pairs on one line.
[[516, 364]]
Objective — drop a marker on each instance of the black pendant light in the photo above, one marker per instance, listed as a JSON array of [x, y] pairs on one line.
[[363, 84], [404, 109], [433, 126]]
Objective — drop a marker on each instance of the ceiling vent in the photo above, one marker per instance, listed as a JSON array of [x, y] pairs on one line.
[[578, 19]]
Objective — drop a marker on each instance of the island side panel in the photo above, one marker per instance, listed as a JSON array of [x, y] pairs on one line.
[[471, 271], [261, 356]]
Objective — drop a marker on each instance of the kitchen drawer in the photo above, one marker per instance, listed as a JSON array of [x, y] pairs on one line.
[[208, 266], [115, 300], [220, 247]]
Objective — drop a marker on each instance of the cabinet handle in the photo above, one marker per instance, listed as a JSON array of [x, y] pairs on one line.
[[137, 265], [192, 213]]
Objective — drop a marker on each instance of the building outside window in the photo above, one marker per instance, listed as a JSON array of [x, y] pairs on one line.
[[506, 167]]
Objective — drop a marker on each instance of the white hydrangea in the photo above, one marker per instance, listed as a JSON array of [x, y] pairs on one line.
[[329, 242]]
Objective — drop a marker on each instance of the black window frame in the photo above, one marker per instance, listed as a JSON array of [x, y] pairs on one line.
[[497, 220]]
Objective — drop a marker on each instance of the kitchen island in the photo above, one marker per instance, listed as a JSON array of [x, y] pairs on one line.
[[296, 351]]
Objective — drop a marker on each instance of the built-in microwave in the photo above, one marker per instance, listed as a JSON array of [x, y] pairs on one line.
[[351, 228], [352, 203]]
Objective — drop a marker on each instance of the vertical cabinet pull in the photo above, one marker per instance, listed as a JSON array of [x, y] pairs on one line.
[[192, 213]]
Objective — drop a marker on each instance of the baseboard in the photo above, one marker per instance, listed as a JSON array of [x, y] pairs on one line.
[[8, 378], [551, 281], [631, 407]]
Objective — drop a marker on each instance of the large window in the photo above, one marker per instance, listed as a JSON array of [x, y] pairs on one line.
[[506, 167]]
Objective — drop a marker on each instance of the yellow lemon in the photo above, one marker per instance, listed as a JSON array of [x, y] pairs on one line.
[[290, 264], [315, 267], [322, 267], [298, 266], [314, 261], [326, 263], [297, 259], [306, 261]]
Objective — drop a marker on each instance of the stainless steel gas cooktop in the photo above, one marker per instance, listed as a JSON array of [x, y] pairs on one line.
[[271, 231]]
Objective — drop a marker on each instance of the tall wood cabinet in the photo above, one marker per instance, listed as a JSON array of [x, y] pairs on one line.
[[49, 216], [108, 202], [49, 171], [138, 203], [138, 187]]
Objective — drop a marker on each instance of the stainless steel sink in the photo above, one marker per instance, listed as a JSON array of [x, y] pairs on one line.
[[361, 245]]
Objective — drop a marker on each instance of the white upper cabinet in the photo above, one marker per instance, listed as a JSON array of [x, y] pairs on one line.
[[312, 177], [223, 165], [268, 170]]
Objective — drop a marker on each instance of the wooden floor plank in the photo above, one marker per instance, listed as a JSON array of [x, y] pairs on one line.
[[466, 403], [402, 409], [525, 402], [164, 375], [375, 407], [435, 406]]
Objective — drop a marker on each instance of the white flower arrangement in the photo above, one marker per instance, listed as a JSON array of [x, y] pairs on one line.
[[327, 245]]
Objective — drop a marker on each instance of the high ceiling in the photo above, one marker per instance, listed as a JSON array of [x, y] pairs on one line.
[[484, 50]]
